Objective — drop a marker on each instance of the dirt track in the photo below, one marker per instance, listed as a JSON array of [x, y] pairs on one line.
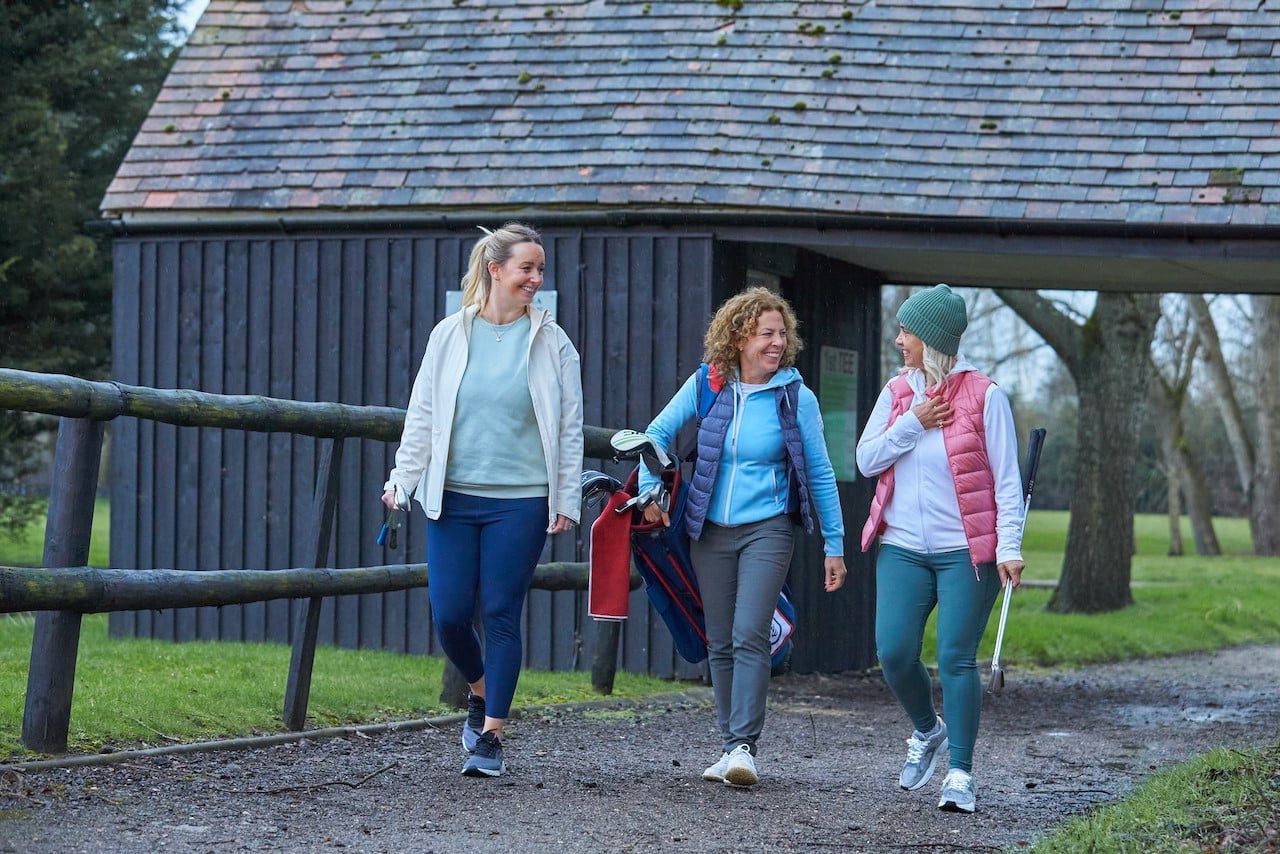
[[627, 778]]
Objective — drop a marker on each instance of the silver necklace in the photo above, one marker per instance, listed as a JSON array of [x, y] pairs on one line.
[[499, 331]]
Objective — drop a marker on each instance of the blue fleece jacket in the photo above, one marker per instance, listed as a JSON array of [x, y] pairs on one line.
[[751, 484]]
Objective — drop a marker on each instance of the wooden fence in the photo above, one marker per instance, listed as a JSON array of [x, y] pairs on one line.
[[65, 588]]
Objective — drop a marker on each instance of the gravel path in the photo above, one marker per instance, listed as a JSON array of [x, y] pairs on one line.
[[627, 776]]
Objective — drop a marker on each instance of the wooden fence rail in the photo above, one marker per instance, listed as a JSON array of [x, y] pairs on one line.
[[72, 397], [65, 588], [94, 590]]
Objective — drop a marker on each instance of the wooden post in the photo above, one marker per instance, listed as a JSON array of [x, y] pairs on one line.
[[46, 719], [604, 664], [453, 687], [297, 692]]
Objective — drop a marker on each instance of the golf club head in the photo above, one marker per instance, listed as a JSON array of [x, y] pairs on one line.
[[996, 685], [630, 444], [598, 486]]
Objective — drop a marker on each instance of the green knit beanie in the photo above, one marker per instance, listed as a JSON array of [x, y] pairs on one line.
[[937, 317]]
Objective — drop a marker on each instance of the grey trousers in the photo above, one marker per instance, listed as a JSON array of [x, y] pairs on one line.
[[740, 572]]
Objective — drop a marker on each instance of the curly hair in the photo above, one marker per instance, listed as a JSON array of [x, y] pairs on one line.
[[736, 320]]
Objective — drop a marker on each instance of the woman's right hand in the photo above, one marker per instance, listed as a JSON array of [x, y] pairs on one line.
[[932, 412], [653, 513], [389, 499]]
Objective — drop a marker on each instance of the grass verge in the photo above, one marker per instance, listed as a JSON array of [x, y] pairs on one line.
[[1227, 800]]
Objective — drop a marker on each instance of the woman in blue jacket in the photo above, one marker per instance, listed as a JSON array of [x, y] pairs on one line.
[[762, 461]]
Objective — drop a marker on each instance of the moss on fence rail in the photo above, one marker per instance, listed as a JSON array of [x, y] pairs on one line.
[[72, 397], [90, 590]]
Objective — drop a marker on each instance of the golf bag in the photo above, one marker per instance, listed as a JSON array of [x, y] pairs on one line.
[[661, 557]]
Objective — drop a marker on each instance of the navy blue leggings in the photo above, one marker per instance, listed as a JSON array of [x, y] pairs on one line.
[[484, 550]]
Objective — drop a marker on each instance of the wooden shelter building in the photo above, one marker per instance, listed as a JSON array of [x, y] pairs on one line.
[[302, 197]]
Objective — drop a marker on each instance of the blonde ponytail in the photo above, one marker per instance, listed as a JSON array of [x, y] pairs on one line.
[[494, 247]]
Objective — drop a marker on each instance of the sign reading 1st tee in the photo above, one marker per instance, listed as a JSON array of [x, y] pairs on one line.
[[838, 401]]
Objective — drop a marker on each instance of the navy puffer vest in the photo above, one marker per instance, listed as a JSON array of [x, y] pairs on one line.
[[710, 442]]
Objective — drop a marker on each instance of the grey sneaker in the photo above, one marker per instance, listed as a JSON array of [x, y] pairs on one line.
[[957, 792], [474, 724], [741, 770], [922, 758], [486, 760], [715, 774]]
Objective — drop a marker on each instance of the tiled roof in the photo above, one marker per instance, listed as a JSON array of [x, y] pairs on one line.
[[1135, 111]]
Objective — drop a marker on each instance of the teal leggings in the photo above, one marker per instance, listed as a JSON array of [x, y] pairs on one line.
[[908, 587]]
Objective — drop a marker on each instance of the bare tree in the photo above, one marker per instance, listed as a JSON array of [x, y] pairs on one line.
[[1107, 356], [1257, 457], [1173, 365]]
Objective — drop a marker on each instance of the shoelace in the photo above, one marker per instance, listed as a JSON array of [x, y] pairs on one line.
[[916, 748], [488, 746], [960, 782]]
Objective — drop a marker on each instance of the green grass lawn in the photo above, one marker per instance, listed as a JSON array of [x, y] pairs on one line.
[[28, 550], [1181, 604]]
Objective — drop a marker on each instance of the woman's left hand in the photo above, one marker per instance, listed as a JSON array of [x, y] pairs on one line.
[[561, 524], [836, 572], [1010, 570]]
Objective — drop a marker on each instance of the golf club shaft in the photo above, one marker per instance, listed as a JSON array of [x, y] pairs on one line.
[[1034, 447], [1004, 616]]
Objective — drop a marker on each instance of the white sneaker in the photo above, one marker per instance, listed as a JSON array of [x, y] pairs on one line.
[[742, 767], [715, 774], [922, 757], [957, 792]]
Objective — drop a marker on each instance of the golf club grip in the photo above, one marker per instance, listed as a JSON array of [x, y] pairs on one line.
[[1035, 444]]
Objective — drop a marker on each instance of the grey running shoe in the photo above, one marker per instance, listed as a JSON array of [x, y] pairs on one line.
[[474, 724], [715, 774], [922, 757], [957, 792], [486, 760], [741, 770]]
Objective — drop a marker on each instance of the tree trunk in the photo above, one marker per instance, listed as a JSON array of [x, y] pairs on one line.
[[1096, 567], [1171, 477], [1185, 477], [1109, 359], [1199, 506], [1223, 390], [1264, 496]]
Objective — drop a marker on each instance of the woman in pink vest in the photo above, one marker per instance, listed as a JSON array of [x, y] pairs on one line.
[[948, 512]]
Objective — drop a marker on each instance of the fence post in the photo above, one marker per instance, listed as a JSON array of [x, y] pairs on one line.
[[604, 664], [297, 691], [46, 719]]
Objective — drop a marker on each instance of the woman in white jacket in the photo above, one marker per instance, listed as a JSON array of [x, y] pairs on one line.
[[494, 375]]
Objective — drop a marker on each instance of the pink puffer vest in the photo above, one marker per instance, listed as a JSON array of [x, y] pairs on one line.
[[965, 439]]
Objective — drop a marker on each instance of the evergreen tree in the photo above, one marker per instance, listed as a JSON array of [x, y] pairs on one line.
[[79, 78]]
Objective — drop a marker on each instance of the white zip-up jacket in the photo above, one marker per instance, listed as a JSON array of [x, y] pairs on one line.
[[555, 385]]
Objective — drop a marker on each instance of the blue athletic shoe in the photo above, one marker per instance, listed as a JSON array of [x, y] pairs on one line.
[[486, 761]]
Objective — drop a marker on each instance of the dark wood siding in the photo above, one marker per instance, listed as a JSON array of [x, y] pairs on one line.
[[838, 305], [346, 318]]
